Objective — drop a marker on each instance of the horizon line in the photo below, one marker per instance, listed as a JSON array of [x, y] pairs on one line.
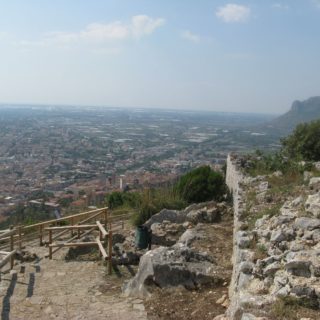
[[81, 106]]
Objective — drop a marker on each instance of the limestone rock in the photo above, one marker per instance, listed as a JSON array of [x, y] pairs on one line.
[[314, 182], [168, 215], [306, 223], [272, 268], [299, 268], [246, 267], [189, 236], [166, 233], [204, 215], [263, 186], [312, 204], [242, 239], [174, 266], [307, 175], [278, 236]]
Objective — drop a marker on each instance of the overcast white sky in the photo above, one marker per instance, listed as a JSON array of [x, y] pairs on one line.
[[243, 56]]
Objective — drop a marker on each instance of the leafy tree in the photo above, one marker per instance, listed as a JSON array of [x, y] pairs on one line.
[[304, 142], [117, 199], [201, 184], [114, 199]]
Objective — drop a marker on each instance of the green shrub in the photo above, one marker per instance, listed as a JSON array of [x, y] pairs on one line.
[[118, 199], [154, 200], [201, 184], [304, 142], [266, 164], [144, 214]]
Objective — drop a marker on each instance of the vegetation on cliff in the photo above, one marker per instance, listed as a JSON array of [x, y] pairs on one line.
[[199, 185], [296, 155], [304, 142]]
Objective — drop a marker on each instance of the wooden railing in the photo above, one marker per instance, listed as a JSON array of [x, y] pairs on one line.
[[103, 222], [6, 256], [33, 231], [103, 242]]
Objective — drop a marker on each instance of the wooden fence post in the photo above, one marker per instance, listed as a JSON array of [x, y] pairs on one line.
[[20, 236], [110, 253], [105, 218], [11, 249], [50, 242], [100, 237], [72, 223], [41, 234]]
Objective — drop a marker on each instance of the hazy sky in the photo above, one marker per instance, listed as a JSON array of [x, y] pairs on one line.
[[245, 56]]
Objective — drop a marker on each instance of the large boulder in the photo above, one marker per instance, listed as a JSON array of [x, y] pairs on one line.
[[172, 266], [206, 212], [174, 216], [204, 215]]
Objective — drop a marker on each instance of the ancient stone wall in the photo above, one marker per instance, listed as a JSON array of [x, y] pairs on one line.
[[234, 178], [277, 255]]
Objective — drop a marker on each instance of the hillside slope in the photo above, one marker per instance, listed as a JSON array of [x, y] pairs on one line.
[[301, 111]]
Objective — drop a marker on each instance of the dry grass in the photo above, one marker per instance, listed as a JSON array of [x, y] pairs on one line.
[[291, 308]]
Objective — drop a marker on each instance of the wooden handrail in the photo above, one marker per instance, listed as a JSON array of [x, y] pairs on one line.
[[104, 242], [102, 249], [120, 217], [78, 223], [7, 258], [7, 234], [103, 231], [73, 244], [80, 226], [68, 241], [64, 218]]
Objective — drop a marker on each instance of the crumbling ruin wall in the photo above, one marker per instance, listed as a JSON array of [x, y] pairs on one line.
[[234, 177], [278, 255]]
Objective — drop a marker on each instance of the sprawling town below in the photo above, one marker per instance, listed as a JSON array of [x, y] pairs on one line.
[[72, 157]]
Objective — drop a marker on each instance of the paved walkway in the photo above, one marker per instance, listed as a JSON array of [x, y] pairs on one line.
[[55, 289]]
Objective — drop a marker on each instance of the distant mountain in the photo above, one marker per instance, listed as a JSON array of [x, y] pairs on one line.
[[301, 111]]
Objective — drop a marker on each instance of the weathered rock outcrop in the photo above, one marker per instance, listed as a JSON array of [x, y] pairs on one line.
[[178, 265], [206, 212], [168, 225]]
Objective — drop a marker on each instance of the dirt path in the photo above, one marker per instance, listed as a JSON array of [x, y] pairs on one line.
[[56, 289], [182, 304]]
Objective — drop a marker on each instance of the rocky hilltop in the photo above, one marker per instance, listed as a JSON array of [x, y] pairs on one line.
[[301, 111]]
